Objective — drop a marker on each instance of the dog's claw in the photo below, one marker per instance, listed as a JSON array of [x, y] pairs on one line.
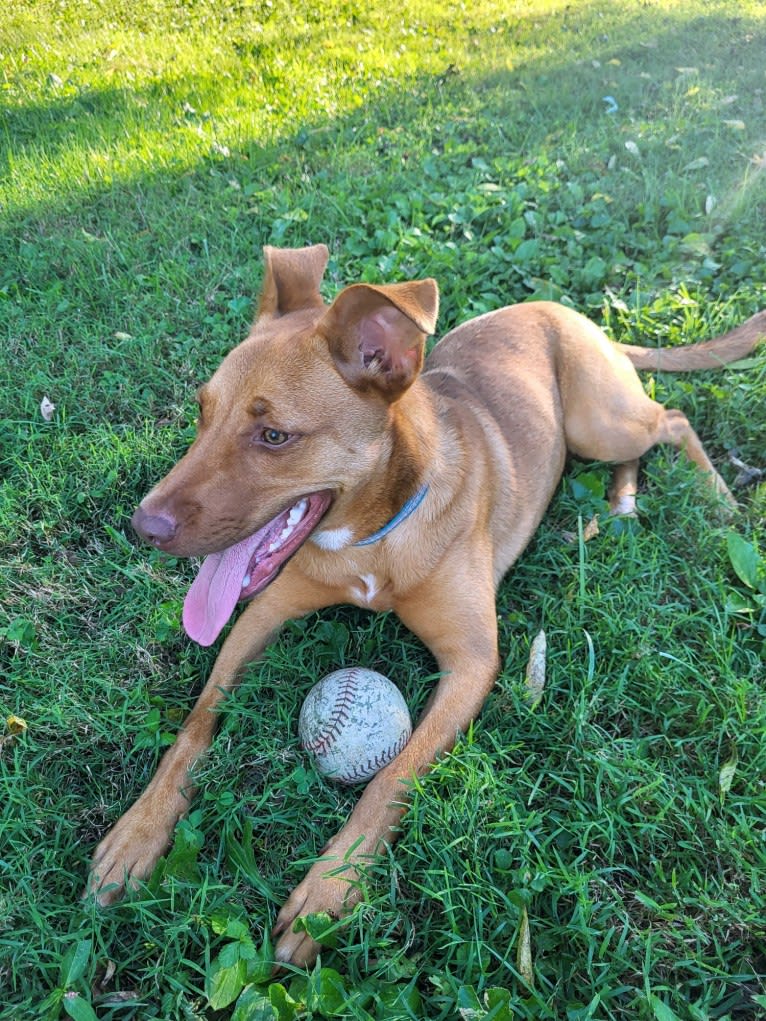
[[297, 949], [319, 892], [128, 853], [292, 907]]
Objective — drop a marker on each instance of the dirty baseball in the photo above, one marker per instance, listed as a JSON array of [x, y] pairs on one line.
[[354, 722]]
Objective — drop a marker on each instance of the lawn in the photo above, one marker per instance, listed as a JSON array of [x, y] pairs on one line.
[[601, 856]]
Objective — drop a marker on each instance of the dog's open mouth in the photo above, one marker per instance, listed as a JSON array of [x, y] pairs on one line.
[[247, 567]]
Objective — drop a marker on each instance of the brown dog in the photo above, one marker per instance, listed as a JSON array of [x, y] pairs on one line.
[[327, 469]]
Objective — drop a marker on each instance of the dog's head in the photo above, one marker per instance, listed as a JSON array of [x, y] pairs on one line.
[[298, 417]]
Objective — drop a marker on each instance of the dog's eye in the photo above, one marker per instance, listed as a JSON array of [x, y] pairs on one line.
[[274, 437]]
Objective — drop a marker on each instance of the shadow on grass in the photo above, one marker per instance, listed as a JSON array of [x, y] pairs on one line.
[[645, 58], [165, 253]]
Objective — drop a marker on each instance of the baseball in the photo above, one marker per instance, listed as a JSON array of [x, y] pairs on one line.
[[354, 721]]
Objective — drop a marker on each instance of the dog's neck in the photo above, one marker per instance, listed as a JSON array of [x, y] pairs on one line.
[[411, 454], [400, 481], [408, 508]]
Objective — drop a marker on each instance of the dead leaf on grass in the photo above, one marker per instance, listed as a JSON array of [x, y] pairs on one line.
[[590, 531], [111, 968], [748, 475], [726, 775], [47, 408], [16, 726], [524, 964], [697, 164], [534, 679]]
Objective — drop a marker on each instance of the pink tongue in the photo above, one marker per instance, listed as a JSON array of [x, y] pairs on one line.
[[215, 591]]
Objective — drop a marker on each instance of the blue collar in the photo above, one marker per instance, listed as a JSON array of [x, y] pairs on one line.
[[411, 505]]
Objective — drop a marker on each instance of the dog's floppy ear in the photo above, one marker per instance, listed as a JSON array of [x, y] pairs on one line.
[[377, 334], [291, 279]]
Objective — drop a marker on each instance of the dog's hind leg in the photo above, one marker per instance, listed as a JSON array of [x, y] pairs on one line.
[[676, 430], [622, 492], [670, 426], [622, 424]]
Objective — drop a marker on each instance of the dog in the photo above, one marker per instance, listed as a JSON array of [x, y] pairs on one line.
[[330, 466]]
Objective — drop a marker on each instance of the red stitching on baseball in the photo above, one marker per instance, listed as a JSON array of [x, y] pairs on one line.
[[374, 764], [327, 737]]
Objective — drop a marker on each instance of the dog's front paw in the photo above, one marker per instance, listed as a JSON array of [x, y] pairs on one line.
[[326, 889], [128, 853]]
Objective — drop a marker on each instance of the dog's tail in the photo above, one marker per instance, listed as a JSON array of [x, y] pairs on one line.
[[710, 354]]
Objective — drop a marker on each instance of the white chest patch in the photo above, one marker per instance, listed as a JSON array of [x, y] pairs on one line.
[[332, 538], [367, 591]]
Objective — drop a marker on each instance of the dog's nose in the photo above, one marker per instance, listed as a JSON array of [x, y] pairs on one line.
[[154, 528]]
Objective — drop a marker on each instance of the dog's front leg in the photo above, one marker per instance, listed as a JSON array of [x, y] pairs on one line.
[[461, 632], [132, 847]]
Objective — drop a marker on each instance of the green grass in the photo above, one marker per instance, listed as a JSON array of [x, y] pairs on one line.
[[148, 152]]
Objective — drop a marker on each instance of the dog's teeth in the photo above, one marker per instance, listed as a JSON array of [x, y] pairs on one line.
[[295, 515], [246, 581], [297, 512]]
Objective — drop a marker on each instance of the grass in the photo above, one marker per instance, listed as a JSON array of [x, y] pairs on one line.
[[149, 151]]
